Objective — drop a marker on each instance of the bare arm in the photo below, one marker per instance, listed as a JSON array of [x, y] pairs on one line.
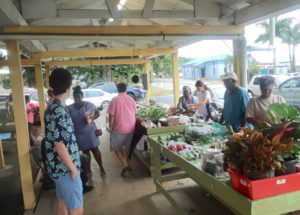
[[195, 106], [65, 157], [96, 115], [111, 121]]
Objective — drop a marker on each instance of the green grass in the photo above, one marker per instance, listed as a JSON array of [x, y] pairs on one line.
[[157, 91]]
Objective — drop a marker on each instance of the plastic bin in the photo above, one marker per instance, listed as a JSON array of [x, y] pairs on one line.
[[263, 188]]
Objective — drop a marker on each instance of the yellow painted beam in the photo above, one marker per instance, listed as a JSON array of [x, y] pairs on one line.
[[127, 30], [24, 62], [147, 71], [175, 78], [2, 162], [47, 75], [40, 88], [237, 61], [16, 78], [102, 53], [95, 62]]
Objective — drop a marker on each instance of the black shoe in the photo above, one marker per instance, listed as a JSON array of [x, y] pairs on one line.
[[86, 189]]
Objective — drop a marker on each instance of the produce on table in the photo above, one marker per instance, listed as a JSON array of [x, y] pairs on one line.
[[151, 113]]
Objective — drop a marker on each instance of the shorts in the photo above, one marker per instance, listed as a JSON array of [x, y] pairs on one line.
[[120, 141], [69, 190]]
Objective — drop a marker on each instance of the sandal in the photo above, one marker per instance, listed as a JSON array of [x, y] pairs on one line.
[[103, 173], [124, 171]]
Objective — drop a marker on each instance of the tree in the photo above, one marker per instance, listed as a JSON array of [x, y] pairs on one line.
[[162, 65], [287, 32], [183, 60], [126, 72]]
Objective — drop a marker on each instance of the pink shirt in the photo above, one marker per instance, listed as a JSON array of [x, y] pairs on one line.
[[30, 114], [123, 108]]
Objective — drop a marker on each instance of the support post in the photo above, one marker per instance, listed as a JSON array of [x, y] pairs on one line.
[[16, 78], [147, 69], [272, 42], [40, 88], [47, 75], [240, 60], [175, 78], [2, 162]]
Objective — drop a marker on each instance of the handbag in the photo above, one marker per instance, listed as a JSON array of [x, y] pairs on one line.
[[98, 132], [213, 112]]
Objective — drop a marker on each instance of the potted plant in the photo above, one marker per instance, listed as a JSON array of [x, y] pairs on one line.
[[252, 154], [285, 116]]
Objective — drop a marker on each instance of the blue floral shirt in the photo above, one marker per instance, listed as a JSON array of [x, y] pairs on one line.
[[59, 127]]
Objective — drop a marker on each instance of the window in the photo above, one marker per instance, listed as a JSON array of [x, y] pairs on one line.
[[95, 94], [293, 83], [100, 86], [256, 81]]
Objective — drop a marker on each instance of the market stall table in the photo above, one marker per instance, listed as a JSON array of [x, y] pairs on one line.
[[220, 188]]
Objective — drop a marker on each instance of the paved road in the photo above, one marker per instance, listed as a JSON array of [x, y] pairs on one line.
[[167, 83]]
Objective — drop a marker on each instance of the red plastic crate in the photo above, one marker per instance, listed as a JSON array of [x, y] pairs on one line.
[[258, 189]]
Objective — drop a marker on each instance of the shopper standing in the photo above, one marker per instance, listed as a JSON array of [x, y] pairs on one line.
[[63, 160], [236, 99], [30, 120], [257, 107], [85, 131], [204, 97], [121, 110]]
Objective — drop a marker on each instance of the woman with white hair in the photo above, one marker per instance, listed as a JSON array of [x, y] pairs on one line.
[[186, 100]]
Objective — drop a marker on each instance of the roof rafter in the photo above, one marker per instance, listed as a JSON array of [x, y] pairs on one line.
[[12, 13]]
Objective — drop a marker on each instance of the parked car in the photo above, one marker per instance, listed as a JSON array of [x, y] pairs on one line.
[[218, 95], [98, 97], [290, 91], [134, 92], [253, 87]]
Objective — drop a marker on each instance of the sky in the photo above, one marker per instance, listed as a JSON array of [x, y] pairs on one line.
[[209, 48]]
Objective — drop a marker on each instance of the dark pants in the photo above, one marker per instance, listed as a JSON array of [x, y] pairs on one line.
[[30, 138], [84, 169]]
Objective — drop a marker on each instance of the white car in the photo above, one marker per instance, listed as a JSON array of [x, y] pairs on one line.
[[253, 87], [98, 97]]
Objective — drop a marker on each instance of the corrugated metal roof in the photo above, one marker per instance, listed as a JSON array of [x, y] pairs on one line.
[[198, 61]]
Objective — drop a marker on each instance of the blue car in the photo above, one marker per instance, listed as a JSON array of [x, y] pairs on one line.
[[134, 92]]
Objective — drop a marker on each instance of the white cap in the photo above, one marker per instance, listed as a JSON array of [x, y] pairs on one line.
[[229, 75]]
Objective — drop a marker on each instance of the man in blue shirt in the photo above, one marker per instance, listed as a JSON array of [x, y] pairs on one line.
[[235, 102]]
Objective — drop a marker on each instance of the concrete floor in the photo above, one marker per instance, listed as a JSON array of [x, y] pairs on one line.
[[134, 194], [11, 202]]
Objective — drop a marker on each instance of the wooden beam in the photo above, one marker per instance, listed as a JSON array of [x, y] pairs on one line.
[[265, 9], [113, 9], [102, 53], [206, 8], [212, 11], [127, 30], [175, 78], [2, 162], [147, 71], [24, 62], [147, 12], [95, 62], [16, 78], [47, 75], [10, 14], [40, 88]]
